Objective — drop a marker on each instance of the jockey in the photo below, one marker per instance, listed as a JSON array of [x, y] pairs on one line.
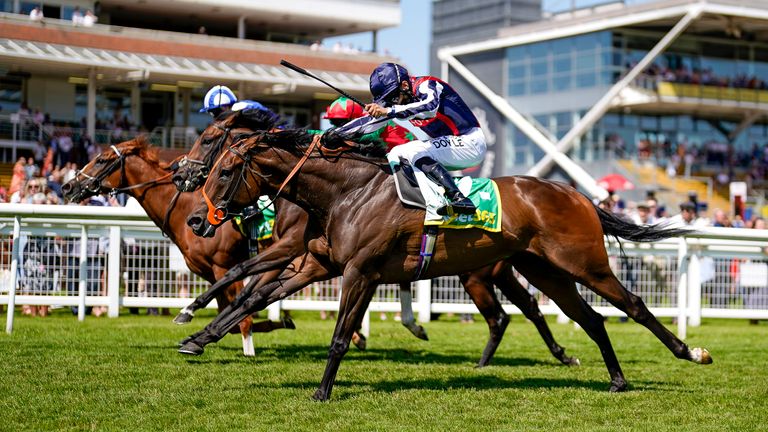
[[220, 99], [456, 140], [343, 110]]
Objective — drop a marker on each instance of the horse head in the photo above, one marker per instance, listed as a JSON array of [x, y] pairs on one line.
[[107, 171], [193, 169], [232, 185]]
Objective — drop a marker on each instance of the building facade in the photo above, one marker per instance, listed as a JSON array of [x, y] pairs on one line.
[[647, 80], [145, 66]]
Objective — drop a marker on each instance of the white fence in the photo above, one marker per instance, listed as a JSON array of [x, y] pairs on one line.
[[113, 257]]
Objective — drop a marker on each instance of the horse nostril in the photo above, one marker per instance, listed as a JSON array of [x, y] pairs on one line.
[[194, 222], [66, 188], [177, 179]]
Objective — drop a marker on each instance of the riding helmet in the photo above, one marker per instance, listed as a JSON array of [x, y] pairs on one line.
[[385, 80], [343, 109], [217, 97]]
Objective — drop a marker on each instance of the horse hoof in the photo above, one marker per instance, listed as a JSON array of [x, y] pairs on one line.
[[191, 348], [183, 318], [360, 341], [183, 342], [288, 323], [421, 333], [320, 396], [618, 386], [701, 356], [571, 361]]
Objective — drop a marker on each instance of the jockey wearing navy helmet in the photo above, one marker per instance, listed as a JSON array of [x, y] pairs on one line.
[[455, 138]]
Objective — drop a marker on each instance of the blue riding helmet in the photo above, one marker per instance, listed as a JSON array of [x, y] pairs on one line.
[[248, 104], [386, 79], [217, 97]]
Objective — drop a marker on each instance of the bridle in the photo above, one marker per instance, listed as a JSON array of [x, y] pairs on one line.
[[205, 165], [95, 183], [219, 214]]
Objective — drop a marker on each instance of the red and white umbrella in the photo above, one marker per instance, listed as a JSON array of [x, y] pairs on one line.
[[615, 182]]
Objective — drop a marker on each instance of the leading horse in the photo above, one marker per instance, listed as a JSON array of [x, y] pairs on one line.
[[551, 233], [133, 167], [291, 229]]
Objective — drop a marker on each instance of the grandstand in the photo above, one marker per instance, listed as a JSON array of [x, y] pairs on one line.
[[673, 88], [143, 68]]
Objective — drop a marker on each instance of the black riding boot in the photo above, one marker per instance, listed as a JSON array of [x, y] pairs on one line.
[[457, 201]]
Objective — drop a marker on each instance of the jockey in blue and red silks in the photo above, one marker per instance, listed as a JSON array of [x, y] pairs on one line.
[[455, 138]]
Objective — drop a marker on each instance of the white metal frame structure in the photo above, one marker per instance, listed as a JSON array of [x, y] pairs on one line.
[[685, 11]]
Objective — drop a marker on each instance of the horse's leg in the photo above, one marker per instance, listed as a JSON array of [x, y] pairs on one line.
[[356, 294], [562, 290], [406, 312], [478, 284], [270, 259], [505, 280], [252, 300], [590, 266]]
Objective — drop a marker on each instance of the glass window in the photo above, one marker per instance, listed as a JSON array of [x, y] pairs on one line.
[[539, 86], [538, 50], [516, 88], [516, 71], [562, 82], [516, 53], [539, 68], [564, 120], [586, 42], [562, 64], [586, 79], [562, 46], [585, 60]]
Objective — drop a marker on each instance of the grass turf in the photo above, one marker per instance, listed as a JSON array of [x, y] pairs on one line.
[[124, 374]]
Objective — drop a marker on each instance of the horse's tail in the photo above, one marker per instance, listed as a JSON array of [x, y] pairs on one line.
[[615, 226]]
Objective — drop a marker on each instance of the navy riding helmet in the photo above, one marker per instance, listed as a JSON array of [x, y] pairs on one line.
[[385, 80]]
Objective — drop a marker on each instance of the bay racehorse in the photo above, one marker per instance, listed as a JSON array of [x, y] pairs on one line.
[[133, 167], [290, 231], [552, 234]]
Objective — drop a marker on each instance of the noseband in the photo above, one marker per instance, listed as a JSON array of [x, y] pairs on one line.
[[204, 166], [95, 181]]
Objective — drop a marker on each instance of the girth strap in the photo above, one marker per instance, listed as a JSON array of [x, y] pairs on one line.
[[427, 250]]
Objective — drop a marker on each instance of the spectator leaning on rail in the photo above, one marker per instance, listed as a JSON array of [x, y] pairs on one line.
[[456, 140]]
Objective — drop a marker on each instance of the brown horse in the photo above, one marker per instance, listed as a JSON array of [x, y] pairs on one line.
[[290, 232], [551, 232], [133, 167]]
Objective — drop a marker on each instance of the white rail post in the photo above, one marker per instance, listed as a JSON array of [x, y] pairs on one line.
[[365, 326], [273, 311], [83, 273], [694, 291], [682, 287], [113, 272], [424, 299], [13, 279]]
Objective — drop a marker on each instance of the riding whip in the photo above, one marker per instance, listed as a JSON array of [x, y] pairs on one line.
[[311, 75]]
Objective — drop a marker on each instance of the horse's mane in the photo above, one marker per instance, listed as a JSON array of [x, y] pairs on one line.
[[296, 141], [143, 148]]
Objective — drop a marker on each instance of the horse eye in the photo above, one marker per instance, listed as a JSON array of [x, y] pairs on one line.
[[225, 173]]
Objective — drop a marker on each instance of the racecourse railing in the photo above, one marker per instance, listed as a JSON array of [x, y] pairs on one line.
[[83, 257]]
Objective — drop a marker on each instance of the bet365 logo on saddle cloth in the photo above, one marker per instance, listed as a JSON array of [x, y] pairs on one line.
[[485, 196]]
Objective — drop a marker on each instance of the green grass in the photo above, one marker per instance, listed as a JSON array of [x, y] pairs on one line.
[[124, 374]]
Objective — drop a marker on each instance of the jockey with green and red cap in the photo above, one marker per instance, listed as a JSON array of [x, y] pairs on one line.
[[343, 110]]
